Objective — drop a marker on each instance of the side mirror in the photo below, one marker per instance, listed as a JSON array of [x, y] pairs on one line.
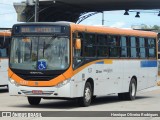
[[27, 40], [78, 44]]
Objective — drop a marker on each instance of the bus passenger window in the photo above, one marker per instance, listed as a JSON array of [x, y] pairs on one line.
[[3, 53], [90, 49], [1, 42], [151, 47], [123, 47], [113, 44], [134, 52], [142, 53], [159, 45], [102, 48], [102, 40], [102, 51]]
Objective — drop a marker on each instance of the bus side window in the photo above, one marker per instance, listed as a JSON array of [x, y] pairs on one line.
[[113, 44], [4, 46], [151, 47], [1, 42], [90, 42], [142, 52], [123, 44], [133, 45], [102, 48], [78, 53], [3, 53]]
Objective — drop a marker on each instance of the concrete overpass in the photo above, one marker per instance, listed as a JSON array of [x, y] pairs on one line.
[[71, 10]]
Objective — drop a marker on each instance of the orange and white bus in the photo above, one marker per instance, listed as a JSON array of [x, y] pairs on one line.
[[67, 60], [4, 54]]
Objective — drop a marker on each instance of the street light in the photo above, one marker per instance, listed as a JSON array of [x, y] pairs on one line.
[[137, 15], [159, 13], [126, 12]]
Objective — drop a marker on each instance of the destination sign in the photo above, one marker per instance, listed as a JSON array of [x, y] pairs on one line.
[[39, 29]]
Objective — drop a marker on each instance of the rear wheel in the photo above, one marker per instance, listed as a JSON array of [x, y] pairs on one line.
[[34, 100], [131, 95], [87, 96]]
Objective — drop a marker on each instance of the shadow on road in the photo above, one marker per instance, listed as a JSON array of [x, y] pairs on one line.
[[113, 99], [51, 104], [70, 104]]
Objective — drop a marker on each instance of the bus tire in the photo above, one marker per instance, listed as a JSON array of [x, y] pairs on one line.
[[87, 96], [34, 100], [131, 95]]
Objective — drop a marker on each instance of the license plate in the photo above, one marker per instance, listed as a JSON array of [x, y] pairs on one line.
[[37, 91]]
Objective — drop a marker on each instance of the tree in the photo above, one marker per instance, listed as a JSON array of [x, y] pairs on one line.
[[144, 26], [156, 27]]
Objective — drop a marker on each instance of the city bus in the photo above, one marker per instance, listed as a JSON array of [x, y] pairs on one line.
[[63, 60], [5, 36]]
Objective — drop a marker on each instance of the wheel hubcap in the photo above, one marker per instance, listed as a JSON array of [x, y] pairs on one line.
[[87, 94]]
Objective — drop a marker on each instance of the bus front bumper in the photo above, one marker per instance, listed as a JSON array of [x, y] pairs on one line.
[[54, 91]]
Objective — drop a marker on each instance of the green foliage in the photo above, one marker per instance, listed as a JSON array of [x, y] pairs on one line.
[[144, 26], [156, 27]]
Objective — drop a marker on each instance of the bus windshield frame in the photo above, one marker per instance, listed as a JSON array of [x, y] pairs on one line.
[[35, 53]]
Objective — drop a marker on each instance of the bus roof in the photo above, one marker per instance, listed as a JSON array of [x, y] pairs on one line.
[[114, 31], [5, 33], [98, 29]]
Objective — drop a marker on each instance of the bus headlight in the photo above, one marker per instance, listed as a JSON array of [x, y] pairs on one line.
[[13, 82], [63, 83]]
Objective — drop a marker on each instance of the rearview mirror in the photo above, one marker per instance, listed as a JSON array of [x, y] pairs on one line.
[[78, 44]]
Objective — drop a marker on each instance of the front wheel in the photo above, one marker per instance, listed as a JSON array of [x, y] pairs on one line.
[[87, 96], [34, 100]]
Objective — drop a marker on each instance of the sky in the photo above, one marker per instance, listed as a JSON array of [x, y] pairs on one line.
[[8, 17]]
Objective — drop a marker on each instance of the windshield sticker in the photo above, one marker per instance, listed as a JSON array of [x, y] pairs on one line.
[[42, 65]]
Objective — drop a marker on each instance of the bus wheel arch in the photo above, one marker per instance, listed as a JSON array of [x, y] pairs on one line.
[[90, 80], [132, 89]]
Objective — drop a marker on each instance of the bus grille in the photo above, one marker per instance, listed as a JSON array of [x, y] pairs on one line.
[[37, 78]]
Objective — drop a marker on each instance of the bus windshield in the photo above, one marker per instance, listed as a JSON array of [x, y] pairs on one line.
[[40, 53]]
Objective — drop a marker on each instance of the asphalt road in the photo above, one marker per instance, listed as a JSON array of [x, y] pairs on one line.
[[146, 100]]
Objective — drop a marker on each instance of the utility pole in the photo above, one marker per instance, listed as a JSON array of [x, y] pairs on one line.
[[103, 18], [36, 10]]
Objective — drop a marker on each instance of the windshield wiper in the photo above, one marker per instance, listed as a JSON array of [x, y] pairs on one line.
[[52, 39]]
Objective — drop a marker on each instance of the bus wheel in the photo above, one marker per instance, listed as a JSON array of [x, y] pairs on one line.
[[87, 96], [131, 95], [34, 100]]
